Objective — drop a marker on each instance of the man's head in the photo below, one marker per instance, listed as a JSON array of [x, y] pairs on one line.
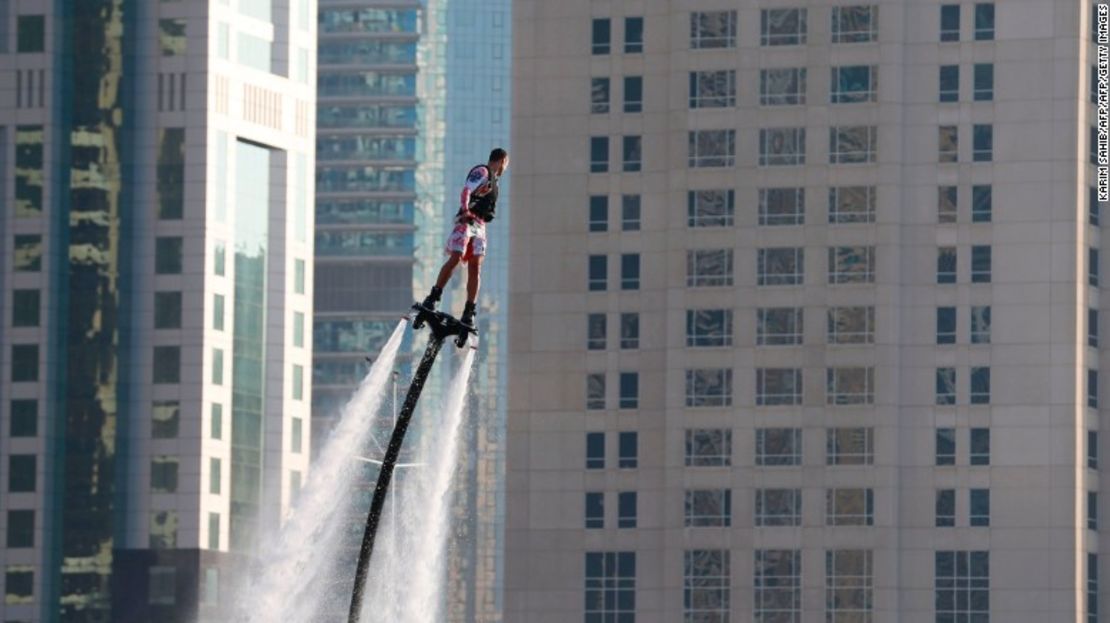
[[498, 161]]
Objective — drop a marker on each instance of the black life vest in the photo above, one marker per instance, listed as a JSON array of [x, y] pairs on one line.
[[485, 205]]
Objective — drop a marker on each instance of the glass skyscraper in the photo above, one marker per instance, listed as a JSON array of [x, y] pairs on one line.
[[155, 279]]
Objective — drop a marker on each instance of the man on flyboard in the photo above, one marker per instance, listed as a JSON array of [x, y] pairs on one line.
[[467, 242]]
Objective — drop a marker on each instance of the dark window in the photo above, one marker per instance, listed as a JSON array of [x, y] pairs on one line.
[[946, 325], [946, 265], [1092, 449], [168, 255], [599, 154], [1093, 205], [630, 212], [601, 36], [980, 386], [167, 310], [979, 503], [633, 94], [984, 82], [599, 95], [21, 528], [949, 83], [946, 446], [595, 450], [1092, 266], [25, 418], [633, 35], [595, 509], [981, 264], [599, 213], [21, 473], [981, 201], [980, 450], [1092, 327], [984, 21], [946, 508], [633, 153], [25, 308], [630, 271], [610, 591], [25, 363], [595, 331], [949, 22], [629, 449], [1092, 510], [598, 268], [630, 390], [630, 330], [1092, 388], [167, 364], [31, 33], [982, 142], [626, 509]]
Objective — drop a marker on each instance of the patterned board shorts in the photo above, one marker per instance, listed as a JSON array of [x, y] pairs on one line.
[[470, 240]]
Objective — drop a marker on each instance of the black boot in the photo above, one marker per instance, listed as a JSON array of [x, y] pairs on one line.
[[468, 315], [433, 298]]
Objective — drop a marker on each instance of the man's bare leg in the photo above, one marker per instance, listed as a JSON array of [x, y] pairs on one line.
[[444, 276]]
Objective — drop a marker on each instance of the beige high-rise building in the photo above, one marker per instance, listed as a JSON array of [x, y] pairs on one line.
[[804, 313]]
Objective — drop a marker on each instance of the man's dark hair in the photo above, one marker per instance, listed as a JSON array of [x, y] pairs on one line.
[[497, 155]]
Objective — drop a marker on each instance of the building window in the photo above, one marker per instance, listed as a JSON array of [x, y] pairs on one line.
[[778, 507], [218, 320], [167, 364], [962, 586], [713, 89], [708, 327], [981, 200], [632, 152], [980, 324], [24, 363], [595, 450], [21, 473], [980, 442], [26, 308], [1093, 205], [1092, 449], [778, 386], [298, 322], [782, 206], [947, 204], [630, 331], [712, 508], [165, 419], [849, 581], [946, 325], [599, 213], [218, 366], [626, 509], [850, 386], [709, 268], [630, 212], [213, 544], [1092, 266], [780, 267], [849, 446], [601, 35], [949, 83], [633, 35], [598, 267], [853, 83], [949, 22], [851, 265], [712, 29], [216, 425], [633, 94], [599, 95], [849, 507], [945, 386], [984, 21], [1092, 388], [296, 436], [595, 510], [214, 475], [30, 34], [782, 27], [851, 204], [595, 331], [168, 255], [779, 326], [599, 154], [778, 446], [946, 265], [628, 450], [710, 208], [595, 391], [630, 271], [782, 87], [1092, 588], [163, 474], [945, 453], [712, 148], [980, 508], [782, 146], [27, 253], [19, 584], [778, 586], [162, 586], [1092, 327], [708, 447], [610, 586], [981, 264], [853, 144], [25, 418], [710, 387], [21, 528], [948, 143], [945, 508], [170, 178], [982, 142], [629, 390], [984, 82], [855, 24], [706, 592], [980, 385], [851, 325], [298, 273]]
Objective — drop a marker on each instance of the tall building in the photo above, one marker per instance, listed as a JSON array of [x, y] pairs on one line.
[[804, 313], [155, 281], [411, 95]]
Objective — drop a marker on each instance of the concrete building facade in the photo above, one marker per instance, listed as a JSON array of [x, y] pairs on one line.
[[156, 285], [805, 313]]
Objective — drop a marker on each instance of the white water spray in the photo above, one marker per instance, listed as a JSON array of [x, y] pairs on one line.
[[408, 569], [286, 584]]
